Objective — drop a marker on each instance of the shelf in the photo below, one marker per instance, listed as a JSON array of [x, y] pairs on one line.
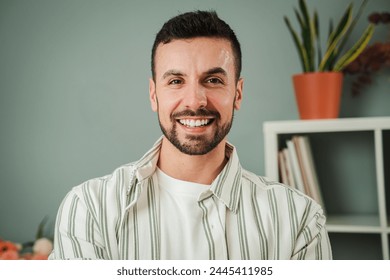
[[328, 125], [352, 162], [354, 223]]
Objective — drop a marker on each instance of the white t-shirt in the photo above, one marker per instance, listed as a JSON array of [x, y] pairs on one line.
[[182, 233]]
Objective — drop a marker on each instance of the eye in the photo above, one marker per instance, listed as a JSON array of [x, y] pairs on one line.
[[214, 80], [175, 82]]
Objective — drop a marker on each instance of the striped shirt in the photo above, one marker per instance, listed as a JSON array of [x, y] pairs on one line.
[[244, 216]]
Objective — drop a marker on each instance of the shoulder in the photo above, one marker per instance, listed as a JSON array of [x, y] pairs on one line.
[[281, 203], [264, 183], [107, 187], [283, 195]]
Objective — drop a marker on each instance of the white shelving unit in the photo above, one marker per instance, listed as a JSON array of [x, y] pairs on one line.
[[377, 224]]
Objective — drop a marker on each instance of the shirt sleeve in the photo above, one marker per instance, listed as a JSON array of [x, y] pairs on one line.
[[313, 241], [76, 233]]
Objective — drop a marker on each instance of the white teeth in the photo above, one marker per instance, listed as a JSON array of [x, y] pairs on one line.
[[194, 123]]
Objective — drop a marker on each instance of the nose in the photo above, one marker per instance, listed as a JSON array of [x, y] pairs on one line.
[[195, 97]]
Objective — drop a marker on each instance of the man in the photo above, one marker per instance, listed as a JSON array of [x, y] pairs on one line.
[[188, 197]]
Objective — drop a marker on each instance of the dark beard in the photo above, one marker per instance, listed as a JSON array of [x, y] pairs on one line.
[[197, 145]]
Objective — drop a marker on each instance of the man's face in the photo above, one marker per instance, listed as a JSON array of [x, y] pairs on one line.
[[195, 92]]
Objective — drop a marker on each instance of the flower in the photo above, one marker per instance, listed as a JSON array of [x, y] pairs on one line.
[[39, 249], [9, 250], [9, 255], [43, 246]]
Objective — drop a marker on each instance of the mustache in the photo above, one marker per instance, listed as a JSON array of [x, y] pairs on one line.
[[201, 112]]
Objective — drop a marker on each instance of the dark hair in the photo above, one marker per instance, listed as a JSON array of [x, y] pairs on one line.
[[197, 24]]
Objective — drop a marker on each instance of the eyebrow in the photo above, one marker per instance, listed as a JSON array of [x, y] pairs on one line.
[[216, 70], [212, 71], [173, 72]]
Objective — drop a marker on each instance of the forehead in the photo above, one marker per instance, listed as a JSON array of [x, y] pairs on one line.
[[194, 54]]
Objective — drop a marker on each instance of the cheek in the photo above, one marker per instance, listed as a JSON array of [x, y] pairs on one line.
[[222, 105], [166, 107]]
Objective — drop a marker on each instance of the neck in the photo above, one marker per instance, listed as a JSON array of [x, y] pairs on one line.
[[202, 169]]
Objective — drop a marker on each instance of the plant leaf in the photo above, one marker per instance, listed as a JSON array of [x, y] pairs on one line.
[[334, 39], [342, 26], [317, 36], [330, 27], [301, 51], [356, 49], [351, 27], [308, 35], [299, 18], [41, 227], [305, 13], [305, 38]]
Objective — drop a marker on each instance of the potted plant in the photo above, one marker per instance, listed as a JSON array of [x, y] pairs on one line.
[[318, 88]]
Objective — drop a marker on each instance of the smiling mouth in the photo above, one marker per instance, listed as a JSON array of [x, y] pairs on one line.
[[195, 123]]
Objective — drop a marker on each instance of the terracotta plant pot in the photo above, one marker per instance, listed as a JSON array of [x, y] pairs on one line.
[[318, 94]]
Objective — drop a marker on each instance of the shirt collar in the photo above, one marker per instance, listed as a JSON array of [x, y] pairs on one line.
[[226, 187]]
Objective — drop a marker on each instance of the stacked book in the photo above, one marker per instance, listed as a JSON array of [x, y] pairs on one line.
[[297, 169]]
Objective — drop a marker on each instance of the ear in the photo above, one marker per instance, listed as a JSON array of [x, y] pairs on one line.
[[152, 95], [238, 97]]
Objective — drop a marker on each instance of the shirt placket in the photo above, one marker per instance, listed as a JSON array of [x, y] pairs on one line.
[[214, 224]]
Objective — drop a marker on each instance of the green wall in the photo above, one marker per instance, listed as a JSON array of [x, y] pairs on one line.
[[74, 90]]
